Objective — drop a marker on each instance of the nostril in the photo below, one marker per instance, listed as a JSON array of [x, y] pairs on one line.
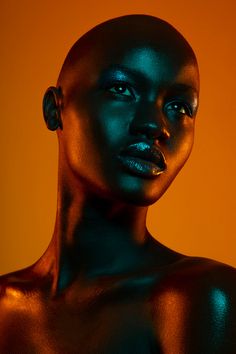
[[148, 121], [151, 131]]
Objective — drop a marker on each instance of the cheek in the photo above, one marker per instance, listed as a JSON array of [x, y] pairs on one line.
[[77, 143], [109, 127], [111, 120], [177, 152], [180, 144], [90, 140]]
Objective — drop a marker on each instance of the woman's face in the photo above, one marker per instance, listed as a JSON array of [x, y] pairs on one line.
[[128, 121]]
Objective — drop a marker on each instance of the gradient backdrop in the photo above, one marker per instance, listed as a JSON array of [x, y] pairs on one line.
[[197, 214]]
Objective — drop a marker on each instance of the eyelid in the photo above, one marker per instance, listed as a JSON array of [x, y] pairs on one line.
[[186, 105], [111, 83]]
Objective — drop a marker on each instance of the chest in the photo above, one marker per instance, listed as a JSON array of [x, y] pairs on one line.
[[106, 326]]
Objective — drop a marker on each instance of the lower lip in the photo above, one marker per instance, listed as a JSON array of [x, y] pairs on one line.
[[140, 167]]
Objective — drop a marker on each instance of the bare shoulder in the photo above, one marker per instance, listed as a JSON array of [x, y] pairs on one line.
[[13, 288], [17, 291], [201, 280], [11, 300], [197, 299], [204, 272], [19, 307], [19, 279]]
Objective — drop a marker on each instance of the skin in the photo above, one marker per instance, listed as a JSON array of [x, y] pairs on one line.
[[105, 285]]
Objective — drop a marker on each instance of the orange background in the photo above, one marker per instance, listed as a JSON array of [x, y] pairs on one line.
[[197, 214]]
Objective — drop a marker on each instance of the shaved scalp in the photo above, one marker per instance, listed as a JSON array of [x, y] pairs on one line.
[[110, 36]]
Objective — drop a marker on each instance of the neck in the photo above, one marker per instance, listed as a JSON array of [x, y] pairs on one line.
[[95, 237]]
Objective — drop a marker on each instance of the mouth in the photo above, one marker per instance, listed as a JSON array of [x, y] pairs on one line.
[[143, 160]]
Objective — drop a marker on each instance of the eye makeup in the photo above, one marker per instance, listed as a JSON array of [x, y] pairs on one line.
[[140, 86], [178, 108], [120, 74], [182, 95], [121, 88]]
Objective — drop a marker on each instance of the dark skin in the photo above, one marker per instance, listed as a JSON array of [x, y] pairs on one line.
[[105, 285]]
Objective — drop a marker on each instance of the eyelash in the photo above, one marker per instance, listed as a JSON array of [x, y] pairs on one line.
[[181, 104], [121, 84]]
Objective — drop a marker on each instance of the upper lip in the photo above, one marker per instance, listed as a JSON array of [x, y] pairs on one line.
[[146, 152]]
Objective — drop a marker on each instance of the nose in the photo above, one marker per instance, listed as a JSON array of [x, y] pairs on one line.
[[149, 122]]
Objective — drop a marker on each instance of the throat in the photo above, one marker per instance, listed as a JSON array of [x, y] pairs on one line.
[[104, 253], [95, 242]]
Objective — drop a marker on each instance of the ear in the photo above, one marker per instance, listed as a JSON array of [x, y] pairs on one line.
[[52, 108]]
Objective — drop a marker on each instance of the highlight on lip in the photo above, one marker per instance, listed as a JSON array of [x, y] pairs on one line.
[[143, 159], [140, 167]]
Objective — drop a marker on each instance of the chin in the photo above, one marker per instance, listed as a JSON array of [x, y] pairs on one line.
[[140, 191]]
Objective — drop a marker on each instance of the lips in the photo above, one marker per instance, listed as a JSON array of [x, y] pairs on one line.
[[143, 159]]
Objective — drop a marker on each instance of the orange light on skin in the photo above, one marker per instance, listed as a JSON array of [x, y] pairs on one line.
[[171, 318], [204, 192]]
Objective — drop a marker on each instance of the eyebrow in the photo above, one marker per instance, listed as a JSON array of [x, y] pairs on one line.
[[183, 88], [120, 70]]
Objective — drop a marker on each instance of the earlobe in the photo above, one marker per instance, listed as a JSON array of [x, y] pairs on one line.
[[52, 108]]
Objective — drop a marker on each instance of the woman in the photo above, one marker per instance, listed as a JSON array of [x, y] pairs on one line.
[[124, 109]]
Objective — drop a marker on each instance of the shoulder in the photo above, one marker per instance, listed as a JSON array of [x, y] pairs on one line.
[[197, 300], [18, 308], [193, 273], [21, 294], [18, 290], [12, 292], [11, 300], [207, 272], [200, 280]]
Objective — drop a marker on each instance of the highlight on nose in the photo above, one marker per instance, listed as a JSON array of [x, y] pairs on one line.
[[152, 131]]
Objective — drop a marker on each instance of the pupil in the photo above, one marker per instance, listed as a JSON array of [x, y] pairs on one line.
[[120, 88], [179, 108]]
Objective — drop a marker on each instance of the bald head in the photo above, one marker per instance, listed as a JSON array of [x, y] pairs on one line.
[[112, 38]]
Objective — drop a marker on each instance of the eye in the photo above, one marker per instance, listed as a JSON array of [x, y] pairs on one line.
[[178, 108], [122, 89]]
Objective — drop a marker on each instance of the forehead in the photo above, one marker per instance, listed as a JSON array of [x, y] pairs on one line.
[[154, 64], [146, 64], [154, 50]]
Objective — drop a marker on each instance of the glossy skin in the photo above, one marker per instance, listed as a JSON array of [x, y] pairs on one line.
[[105, 285]]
